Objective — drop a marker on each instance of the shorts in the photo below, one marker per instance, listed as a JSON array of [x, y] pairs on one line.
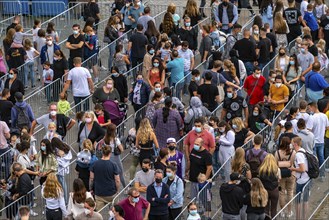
[[304, 195], [92, 61]]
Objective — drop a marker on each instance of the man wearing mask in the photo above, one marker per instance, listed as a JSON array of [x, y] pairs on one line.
[[227, 16], [199, 161], [75, 44], [305, 59], [188, 56], [278, 95], [135, 12], [89, 212], [253, 85], [158, 195], [139, 93], [234, 105], [144, 177], [48, 50], [63, 123], [176, 157], [135, 205]]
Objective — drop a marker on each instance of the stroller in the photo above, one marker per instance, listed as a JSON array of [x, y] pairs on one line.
[[118, 112]]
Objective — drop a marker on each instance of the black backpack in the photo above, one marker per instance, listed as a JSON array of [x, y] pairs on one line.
[[23, 119], [313, 165], [254, 162]]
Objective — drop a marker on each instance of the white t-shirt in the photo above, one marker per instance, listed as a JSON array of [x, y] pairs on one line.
[[24, 160], [30, 55], [307, 118], [320, 122], [320, 10], [300, 158], [187, 56], [303, 7], [79, 77], [35, 34]]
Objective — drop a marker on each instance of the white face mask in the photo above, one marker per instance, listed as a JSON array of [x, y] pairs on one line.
[[49, 43], [257, 75], [87, 211], [53, 113], [278, 85], [111, 214], [87, 120]]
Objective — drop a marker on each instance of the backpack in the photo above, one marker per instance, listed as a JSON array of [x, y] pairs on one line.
[[285, 172], [23, 119], [254, 162], [313, 165], [188, 126]]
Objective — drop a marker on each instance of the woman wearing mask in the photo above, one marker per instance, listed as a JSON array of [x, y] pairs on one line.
[[147, 61], [77, 198], [120, 60], [46, 162], [90, 129], [52, 192], [285, 158], [167, 123], [107, 92], [161, 161], [257, 121], [120, 84], [156, 73], [14, 85], [193, 212], [52, 32], [196, 110], [64, 156], [176, 158], [226, 147], [255, 34], [176, 187], [242, 135], [111, 34], [146, 140], [292, 75], [189, 34], [269, 174], [266, 11], [256, 200], [281, 30], [139, 93], [60, 68], [282, 61], [192, 12], [116, 213], [110, 139], [195, 82]]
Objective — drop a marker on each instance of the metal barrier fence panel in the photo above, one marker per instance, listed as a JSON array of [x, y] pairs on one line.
[[10, 8], [6, 159], [291, 210]]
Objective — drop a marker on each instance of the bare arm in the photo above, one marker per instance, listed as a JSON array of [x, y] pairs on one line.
[[208, 172], [117, 182], [71, 124], [147, 212], [69, 46], [66, 86], [140, 188], [91, 85], [34, 123], [155, 141]]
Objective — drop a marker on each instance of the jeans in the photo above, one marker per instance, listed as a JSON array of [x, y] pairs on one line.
[[178, 89], [111, 55], [201, 9], [28, 70], [135, 62], [6, 161], [299, 188], [249, 67], [254, 216], [215, 161], [48, 92], [224, 154], [194, 189], [230, 217], [53, 214], [77, 101], [318, 151], [62, 181], [188, 77]]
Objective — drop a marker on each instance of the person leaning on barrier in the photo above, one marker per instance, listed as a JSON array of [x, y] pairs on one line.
[[14, 84]]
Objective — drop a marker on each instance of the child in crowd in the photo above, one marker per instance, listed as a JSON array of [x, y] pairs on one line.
[[204, 187], [31, 53], [19, 36], [36, 28], [166, 51], [51, 133], [63, 106], [47, 78]]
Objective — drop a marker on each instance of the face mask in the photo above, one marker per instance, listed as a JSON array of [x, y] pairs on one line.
[[310, 11], [184, 49], [193, 212], [197, 78], [198, 130], [172, 148], [272, 79], [278, 85], [109, 86], [135, 200], [11, 76], [145, 170], [225, 4], [55, 58], [87, 120], [230, 95], [302, 50], [115, 74], [292, 62], [257, 75], [53, 113], [111, 214], [196, 147], [282, 54], [151, 51], [256, 32], [140, 81], [187, 24], [75, 32], [255, 113], [156, 64], [169, 175], [234, 126], [157, 89], [139, 3], [87, 211], [43, 148], [51, 130], [127, 5], [158, 180], [222, 130]]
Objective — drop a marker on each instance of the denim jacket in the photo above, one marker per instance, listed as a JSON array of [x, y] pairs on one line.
[[176, 192]]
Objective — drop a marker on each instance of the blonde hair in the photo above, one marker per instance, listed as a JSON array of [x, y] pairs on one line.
[[90, 114], [88, 145], [255, 36], [52, 124], [280, 24], [52, 188], [171, 8], [238, 160], [144, 131], [202, 177], [168, 23], [306, 31], [191, 8], [258, 193], [321, 44], [238, 122], [230, 66], [269, 166]]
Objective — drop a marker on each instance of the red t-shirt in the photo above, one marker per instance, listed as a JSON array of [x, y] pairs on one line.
[[134, 212], [101, 120], [258, 93], [208, 139]]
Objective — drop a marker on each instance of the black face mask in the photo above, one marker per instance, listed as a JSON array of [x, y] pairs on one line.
[[145, 170], [225, 4], [158, 180], [172, 148]]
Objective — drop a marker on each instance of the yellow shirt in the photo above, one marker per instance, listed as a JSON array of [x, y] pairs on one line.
[[278, 94], [327, 132]]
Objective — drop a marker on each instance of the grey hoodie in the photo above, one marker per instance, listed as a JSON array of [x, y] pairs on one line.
[[307, 140], [196, 109]]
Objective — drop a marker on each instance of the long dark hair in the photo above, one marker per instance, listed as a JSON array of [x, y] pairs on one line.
[[151, 30], [57, 143], [50, 27], [49, 149], [166, 109], [161, 68], [111, 132], [224, 123], [79, 191], [264, 4]]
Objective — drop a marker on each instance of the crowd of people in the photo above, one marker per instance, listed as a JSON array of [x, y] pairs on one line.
[[165, 172]]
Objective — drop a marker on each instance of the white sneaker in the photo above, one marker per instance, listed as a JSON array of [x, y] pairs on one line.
[[32, 213], [103, 68], [96, 80], [289, 215]]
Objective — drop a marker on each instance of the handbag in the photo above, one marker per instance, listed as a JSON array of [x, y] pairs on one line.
[[116, 150], [285, 172]]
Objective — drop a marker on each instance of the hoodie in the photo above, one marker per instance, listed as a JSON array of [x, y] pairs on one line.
[[63, 107], [63, 164], [14, 114], [232, 198], [307, 140], [196, 110]]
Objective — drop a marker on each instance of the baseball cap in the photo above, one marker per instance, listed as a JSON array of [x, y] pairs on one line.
[[171, 140]]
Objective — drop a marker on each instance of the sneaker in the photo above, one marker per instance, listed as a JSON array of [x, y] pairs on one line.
[[103, 68], [282, 215], [91, 71], [32, 213], [34, 205], [96, 80]]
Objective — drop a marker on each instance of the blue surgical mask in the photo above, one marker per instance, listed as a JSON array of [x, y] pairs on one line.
[[302, 50], [43, 148], [292, 62], [156, 64], [151, 51], [197, 78], [187, 24], [198, 130], [196, 147], [135, 200], [169, 175], [230, 95], [115, 74], [140, 81], [10, 76], [75, 32], [255, 113], [234, 126], [193, 212], [157, 89]]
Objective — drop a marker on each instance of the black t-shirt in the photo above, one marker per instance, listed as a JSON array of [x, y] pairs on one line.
[[160, 166], [325, 25], [208, 93], [256, 123], [199, 160], [287, 134], [264, 46], [234, 107], [313, 50], [291, 15], [272, 38], [193, 87], [5, 111], [139, 41], [59, 68], [94, 10], [16, 57], [240, 137], [76, 40], [246, 49], [12, 25]]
